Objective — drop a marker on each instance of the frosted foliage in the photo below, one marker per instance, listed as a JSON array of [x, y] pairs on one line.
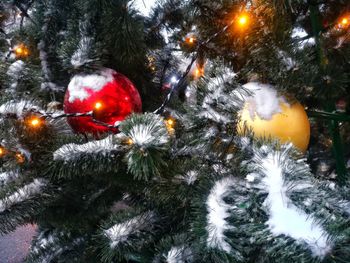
[[17, 108], [81, 55], [263, 100], [120, 233], [148, 131], [80, 84], [287, 219], [218, 212], [15, 69], [22, 194], [7, 177], [178, 255], [73, 151], [217, 94]]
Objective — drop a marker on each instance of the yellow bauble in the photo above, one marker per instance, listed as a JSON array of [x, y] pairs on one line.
[[290, 125]]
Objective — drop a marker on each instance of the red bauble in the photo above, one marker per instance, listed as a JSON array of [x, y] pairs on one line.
[[110, 95]]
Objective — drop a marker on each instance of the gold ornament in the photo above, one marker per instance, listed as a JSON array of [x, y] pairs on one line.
[[289, 125]]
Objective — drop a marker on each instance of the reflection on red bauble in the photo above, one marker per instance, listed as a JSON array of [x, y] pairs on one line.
[[109, 94]]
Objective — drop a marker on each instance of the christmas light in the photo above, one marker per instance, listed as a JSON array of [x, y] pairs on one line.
[[173, 79], [34, 122], [198, 72], [130, 141], [98, 105], [2, 151], [242, 20], [170, 123], [190, 40], [21, 50], [20, 158], [344, 22]]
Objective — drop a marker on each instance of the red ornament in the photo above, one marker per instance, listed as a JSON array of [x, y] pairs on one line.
[[110, 95]]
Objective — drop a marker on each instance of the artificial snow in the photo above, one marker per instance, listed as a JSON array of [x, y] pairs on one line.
[[121, 232], [218, 212], [145, 134], [22, 194], [287, 219], [262, 100], [73, 151], [7, 177], [81, 55], [15, 69], [80, 84], [17, 108], [178, 255]]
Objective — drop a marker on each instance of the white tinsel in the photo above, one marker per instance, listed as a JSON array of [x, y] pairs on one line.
[[285, 218], [218, 212], [22, 194], [121, 232], [73, 151]]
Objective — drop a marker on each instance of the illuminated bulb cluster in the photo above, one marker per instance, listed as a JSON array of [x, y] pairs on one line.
[[21, 51], [190, 40], [34, 122], [170, 124], [344, 22], [198, 72], [20, 158], [2, 151], [98, 106]]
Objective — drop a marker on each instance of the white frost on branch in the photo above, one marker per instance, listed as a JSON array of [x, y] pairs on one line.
[[216, 96], [147, 130], [81, 55], [262, 100], [218, 212], [80, 85], [15, 69], [74, 151], [7, 177], [22, 194], [121, 232], [178, 255], [17, 108], [286, 218]]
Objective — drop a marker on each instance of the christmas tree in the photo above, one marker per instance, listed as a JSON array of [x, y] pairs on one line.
[[203, 131]]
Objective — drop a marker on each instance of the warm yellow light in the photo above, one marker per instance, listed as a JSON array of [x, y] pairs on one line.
[[344, 21], [35, 122], [198, 72], [170, 122], [20, 158], [243, 20], [130, 141], [2, 151], [21, 50], [98, 105]]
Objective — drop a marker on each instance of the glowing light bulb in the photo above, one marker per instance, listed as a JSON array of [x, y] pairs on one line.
[[19, 50], [344, 21], [35, 122], [173, 79], [170, 122], [130, 141], [2, 151], [243, 20], [20, 158], [98, 105]]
